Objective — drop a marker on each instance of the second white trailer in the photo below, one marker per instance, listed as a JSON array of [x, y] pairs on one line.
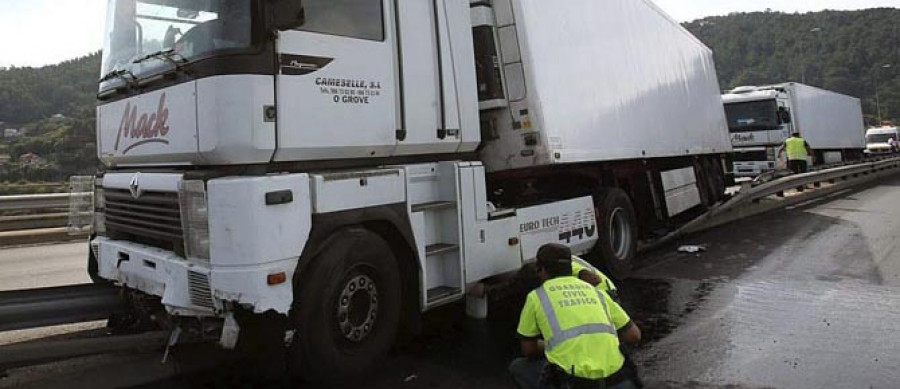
[[829, 121], [761, 118]]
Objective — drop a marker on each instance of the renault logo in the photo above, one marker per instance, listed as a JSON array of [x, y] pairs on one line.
[[135, 186]]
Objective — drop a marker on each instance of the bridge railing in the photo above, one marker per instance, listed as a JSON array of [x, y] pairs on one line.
[[39, 218]]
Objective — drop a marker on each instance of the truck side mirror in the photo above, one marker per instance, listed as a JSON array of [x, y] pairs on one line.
[[784, 116], [286, 14]]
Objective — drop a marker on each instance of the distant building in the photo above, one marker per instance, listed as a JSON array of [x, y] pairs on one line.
[[11, 133], [30, 159], [58, 116]]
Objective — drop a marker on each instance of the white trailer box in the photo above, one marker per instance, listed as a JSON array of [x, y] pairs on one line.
[[827, 120], [592, 80]]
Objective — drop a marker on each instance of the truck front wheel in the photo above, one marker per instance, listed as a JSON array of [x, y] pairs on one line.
[[347, 311], [617, 246], [93, 266]]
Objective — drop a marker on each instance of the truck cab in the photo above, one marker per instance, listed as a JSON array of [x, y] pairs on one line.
[[759, 120], [211, 83], [286, 164], [878, 140]]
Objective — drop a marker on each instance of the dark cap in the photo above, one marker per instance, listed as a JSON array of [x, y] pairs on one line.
[[795, 133], [554, 253]]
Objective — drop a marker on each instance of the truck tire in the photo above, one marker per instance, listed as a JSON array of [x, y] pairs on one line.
[[617, 245], [704, 183], [715, 180], [93, 267], [348, 308]]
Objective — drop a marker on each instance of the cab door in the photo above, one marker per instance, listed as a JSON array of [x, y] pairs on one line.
[[336, 88]]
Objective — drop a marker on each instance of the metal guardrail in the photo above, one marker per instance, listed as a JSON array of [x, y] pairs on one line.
[[777, 187], [748, 202], [38, 218], [40, 201], [32, 308], [31, 222], [785, 172]]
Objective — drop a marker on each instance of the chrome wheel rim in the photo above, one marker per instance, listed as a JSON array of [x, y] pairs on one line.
[[619, 234], [357, 309]]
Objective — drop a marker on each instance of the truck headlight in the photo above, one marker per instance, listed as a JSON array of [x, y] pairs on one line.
[[99, 210], [194, 219]]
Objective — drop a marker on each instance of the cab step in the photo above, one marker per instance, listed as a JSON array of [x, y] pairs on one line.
[[442, 292], [433, 206], [440, 248]]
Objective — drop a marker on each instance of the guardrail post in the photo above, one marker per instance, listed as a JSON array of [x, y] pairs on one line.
[[817, 184], [779, 194]]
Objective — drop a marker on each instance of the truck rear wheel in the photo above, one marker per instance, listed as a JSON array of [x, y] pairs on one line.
[[715, 178], [617, 246], [348, 309]]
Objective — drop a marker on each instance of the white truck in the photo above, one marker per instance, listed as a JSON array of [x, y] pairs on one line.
[[328, 170], [761, 118], [878, 140]]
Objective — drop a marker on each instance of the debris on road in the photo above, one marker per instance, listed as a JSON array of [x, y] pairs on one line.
[[691, 249]]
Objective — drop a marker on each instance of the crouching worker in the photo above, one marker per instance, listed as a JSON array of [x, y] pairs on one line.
[[529, 280], [570, 331], [590, 274]]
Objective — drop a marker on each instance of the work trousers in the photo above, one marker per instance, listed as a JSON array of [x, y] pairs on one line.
[[798, 166], [527, 374]]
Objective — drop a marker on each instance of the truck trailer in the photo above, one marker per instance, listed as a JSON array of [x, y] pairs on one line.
[[320, 173], [761, 118]]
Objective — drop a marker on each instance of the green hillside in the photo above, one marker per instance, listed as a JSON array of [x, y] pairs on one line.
[[31, 94], [54, 106], [842, 51]]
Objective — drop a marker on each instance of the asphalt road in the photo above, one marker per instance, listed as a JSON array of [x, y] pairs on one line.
[[799, 298], [43, 266]]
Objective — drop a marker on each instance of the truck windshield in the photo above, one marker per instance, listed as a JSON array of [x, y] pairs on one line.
[[141, 33], [751, 116], [878, 138]]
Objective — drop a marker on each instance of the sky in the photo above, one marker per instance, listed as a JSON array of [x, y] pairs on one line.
[[41, 32]]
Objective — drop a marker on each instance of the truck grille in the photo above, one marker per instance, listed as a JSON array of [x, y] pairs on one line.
[[153, 219], [751, 156], [198, 286]]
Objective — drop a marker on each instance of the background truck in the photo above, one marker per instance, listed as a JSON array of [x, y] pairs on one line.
[[877, 140], [761, 118], [317, 174]]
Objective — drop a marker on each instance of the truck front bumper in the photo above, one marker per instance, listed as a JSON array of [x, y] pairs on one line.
[[752, 169], [191, 288]]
